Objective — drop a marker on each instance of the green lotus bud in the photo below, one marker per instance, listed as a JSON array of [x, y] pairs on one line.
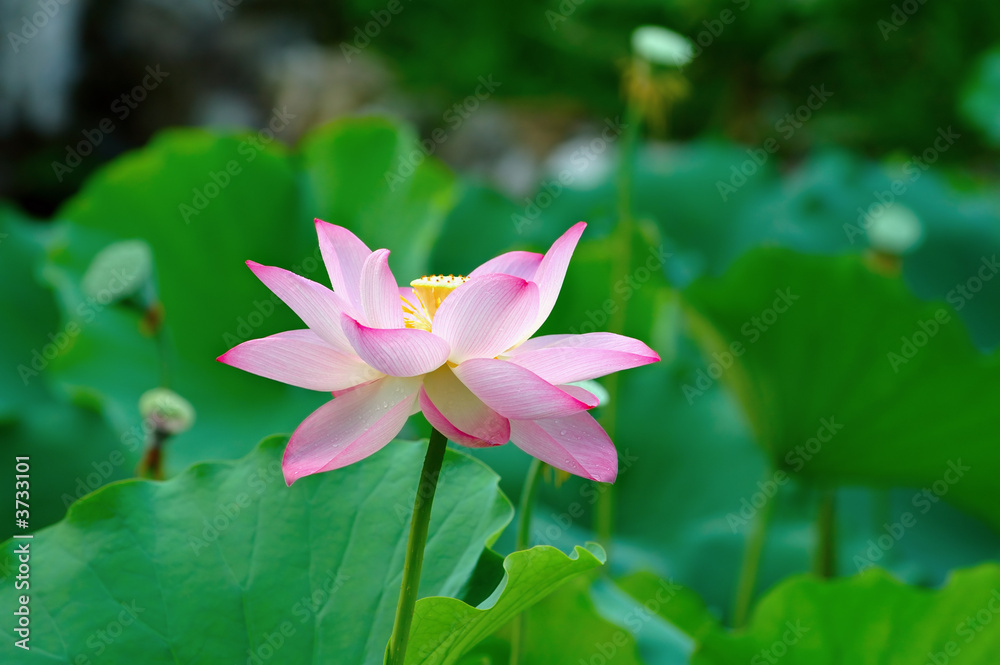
[[168, 411], [118, 271]]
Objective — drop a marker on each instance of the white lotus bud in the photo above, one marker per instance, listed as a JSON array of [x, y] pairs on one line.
[[661, 46], [896, 231]]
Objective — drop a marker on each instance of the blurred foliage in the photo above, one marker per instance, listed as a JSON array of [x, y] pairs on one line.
[[203, 222], [699, 446], [893, 68], [980, 101], [870, 618], [848, 379]]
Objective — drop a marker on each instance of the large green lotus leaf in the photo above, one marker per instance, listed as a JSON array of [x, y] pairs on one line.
[[369, 175], [446, 628], [857, 382], [491, 651], [211, 301], [679, 605], [224, 563], [827, 205], [580, 621], [112, 363], [199, 258], [870, 618], [566, 628]]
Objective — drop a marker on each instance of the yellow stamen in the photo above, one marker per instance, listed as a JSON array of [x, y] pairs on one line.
[[433, 289], [413, 316]]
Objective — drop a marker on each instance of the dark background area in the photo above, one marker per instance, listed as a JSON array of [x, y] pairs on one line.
[[558, 64]]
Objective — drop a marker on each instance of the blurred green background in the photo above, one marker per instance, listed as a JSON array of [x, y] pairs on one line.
[[803, 221]]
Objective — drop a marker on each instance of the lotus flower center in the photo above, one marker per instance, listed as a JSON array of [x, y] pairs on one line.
[[431, 291]]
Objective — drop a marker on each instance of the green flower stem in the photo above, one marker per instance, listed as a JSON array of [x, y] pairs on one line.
[[604, 511], [751, 562], [826, 554], [527, 505], [626, 163], [163, 353], [396, 651], [151, 464]]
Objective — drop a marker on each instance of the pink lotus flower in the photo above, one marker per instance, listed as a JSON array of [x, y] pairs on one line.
[[456, 348]]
